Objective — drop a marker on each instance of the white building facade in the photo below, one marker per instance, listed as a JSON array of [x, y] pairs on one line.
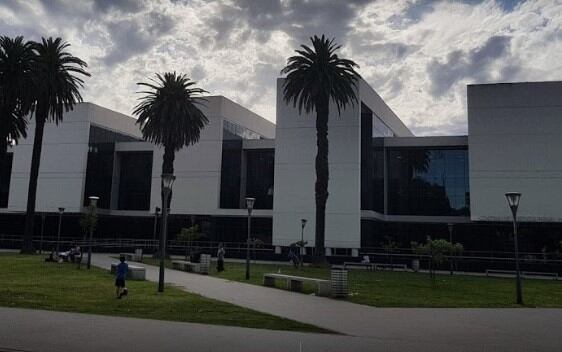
[[385, 183]]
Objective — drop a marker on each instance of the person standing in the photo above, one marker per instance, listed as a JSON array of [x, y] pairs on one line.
[[220, 258], [122, 269]]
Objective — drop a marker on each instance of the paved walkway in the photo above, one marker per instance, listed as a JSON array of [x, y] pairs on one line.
[[459, 329]]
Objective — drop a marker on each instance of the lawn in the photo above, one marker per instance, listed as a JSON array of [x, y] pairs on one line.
[[28, 282], [408, 289]]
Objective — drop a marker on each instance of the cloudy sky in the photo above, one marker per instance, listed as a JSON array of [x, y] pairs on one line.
[[418, 55]]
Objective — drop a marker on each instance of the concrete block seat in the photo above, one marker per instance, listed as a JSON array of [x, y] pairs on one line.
[[201, 268], [295, 283], [134, 257], [135, 272]]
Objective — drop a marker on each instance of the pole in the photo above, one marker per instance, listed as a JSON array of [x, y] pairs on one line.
[[518, 273], [248, 245], [155, 224], [302, 244], [451, 242], [58, 233], [164, 230], [90, 247], [42, 231]]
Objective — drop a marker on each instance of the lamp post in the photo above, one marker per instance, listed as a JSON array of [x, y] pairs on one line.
[[42, 233], [167, 183], [450, 227], [156, 211], [93, 203], [513, 202], [303, 224], [61, 211], [250, 207]]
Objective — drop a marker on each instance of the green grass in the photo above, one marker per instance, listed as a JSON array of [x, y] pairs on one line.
[[407, 289], [28, 282]]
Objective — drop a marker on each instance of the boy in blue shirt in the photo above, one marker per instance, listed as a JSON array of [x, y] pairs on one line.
[[122, 268]]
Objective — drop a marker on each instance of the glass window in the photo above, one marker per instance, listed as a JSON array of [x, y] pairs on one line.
[[428, 181], [259, 177], [5, 176], [99, 174], [135, 181]]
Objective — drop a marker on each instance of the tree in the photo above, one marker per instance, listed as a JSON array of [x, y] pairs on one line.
[[16, 59], [169, 115], [189, 235], [389, 246], [314, 78], [56, 89], [436, 251]]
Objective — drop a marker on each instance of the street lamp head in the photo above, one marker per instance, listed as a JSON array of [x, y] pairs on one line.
[[93, 200], [168, 181], [513, 200], [61, 210], [303, 222], [450, 227], [157, 210], [250, 203]]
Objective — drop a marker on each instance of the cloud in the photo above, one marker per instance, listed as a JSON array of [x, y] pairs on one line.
[[475, 64], [300, 19], [135, 36], [417, 54]]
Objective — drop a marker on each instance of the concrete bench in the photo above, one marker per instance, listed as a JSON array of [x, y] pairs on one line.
[[384, 266], [134, 273], [201, 268], [295, 283], [368, 266], [512, 273], [133, 257], [185, 266]]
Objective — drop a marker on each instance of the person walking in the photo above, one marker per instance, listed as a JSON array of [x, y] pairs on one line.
[[220, 258], [122, 269]]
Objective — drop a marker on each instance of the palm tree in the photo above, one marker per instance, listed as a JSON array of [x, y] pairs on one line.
[[314, 77], [169, 114], [16, 57], [56, 89]]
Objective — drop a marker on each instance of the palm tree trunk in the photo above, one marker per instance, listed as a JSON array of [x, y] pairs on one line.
[[27, 246], [3, 155], [322, 177], [168, 166]]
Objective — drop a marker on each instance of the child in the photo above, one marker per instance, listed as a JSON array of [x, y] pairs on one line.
[[122, 268]]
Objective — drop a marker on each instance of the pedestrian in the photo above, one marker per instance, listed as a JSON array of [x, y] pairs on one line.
[[293, 257], [220, 258], [122, 269]]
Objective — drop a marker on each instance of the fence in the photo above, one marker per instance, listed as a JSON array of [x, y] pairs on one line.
[[469, 261]]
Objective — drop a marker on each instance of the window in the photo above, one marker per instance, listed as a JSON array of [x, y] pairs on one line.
[[5, 176], [135, 181], [428, 181], [259, 177]]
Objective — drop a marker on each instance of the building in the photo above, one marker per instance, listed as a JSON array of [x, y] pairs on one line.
[[385, 183]]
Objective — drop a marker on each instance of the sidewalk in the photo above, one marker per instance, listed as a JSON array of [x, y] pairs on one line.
[[531, 329]]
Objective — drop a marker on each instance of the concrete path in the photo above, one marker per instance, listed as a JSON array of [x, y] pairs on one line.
[[463, 329], [35, 330]]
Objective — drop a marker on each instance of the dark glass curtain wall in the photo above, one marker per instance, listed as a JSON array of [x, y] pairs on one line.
[[428, 181], [5, 176], [135, 181], [259, 177]]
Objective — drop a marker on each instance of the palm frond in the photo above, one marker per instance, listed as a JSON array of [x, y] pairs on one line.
[[317, 75], [168, 112], [56, 78]]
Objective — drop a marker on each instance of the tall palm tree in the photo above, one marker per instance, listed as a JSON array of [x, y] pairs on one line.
[[16, 58], [56, 88], [169, 114], [314, 78]]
